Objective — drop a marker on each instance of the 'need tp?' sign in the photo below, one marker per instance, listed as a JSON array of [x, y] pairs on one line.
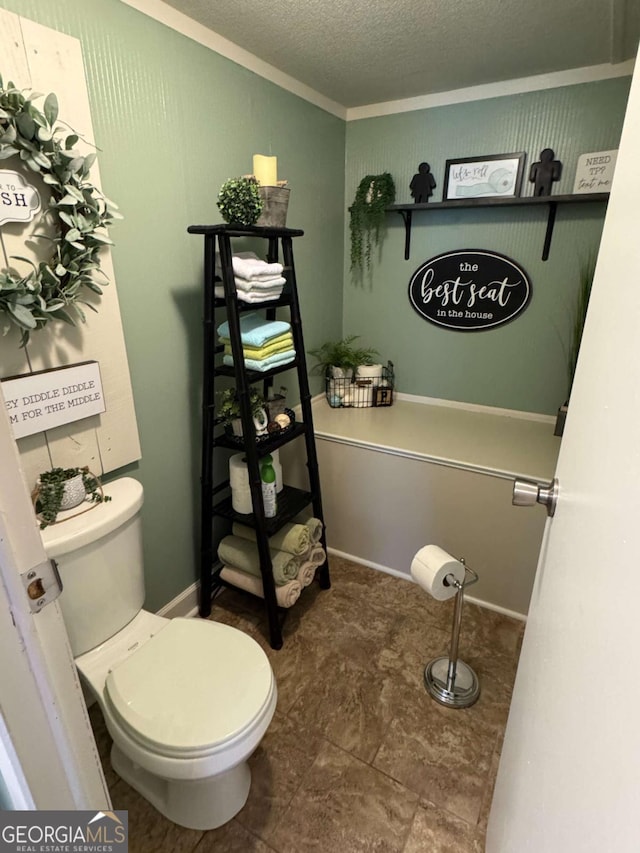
[[470, 290], [49, 398]]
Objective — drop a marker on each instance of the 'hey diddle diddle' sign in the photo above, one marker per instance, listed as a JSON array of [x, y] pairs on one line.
[[469, 290]]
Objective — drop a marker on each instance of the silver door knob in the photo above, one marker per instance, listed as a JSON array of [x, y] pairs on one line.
[[530, 492]]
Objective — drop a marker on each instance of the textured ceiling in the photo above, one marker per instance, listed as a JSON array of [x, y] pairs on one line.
[[359, 52]]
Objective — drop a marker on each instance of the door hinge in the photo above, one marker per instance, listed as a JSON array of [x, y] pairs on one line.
[[42, 585]]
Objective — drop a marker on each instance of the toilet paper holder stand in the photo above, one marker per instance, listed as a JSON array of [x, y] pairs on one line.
[[448, 680]]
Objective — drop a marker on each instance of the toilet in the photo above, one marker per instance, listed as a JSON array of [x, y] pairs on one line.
[[186, 701]]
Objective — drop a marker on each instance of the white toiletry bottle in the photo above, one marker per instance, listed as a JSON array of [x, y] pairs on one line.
[[268, 478]]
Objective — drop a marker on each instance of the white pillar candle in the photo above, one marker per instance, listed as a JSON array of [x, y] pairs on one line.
[[265, 170]]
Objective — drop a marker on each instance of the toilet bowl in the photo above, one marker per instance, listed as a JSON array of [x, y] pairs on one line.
[[186, 701]]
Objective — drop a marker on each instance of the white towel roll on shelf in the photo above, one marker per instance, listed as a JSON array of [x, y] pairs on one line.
[[429, 569]]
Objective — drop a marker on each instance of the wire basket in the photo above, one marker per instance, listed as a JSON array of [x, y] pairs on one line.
[[371, 386]]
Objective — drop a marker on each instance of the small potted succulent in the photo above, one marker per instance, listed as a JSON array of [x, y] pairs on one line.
[[239, 201], [65, 488], [228, 410]]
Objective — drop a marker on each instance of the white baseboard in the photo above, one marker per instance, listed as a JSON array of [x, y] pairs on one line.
[[379, 568], [184, 604]]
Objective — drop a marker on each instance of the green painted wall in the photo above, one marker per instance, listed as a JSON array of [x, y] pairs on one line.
[[173, 120], [520, 365]]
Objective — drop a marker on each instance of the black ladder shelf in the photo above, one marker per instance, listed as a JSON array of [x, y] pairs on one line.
[[215, 499]]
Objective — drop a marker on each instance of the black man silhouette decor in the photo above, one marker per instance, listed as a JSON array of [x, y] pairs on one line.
[[545, 172], [422, 184]]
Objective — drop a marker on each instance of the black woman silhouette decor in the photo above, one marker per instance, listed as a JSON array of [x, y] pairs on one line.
[[545, 172], [422, 184]]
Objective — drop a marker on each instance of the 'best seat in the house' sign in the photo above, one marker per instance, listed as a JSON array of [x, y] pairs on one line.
[[469, 290]]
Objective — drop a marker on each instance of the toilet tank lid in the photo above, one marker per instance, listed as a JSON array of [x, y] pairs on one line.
[[77, 528]]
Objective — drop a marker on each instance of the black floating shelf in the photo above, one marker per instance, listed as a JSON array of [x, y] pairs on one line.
[[291, 502], [406, 210]]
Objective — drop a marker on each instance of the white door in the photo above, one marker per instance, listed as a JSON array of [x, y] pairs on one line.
[[48, 757], [569, 778]]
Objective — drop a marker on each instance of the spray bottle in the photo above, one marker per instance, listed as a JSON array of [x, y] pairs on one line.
[[268, 478]]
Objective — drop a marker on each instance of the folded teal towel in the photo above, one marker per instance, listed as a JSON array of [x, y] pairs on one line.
[[255, 331], [243, 554], [264, 363]]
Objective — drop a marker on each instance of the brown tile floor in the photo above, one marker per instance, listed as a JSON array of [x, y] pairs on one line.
[[358, 757]]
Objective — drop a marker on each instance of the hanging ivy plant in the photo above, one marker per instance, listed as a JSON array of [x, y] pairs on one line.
[[374, 194], [79, 213]]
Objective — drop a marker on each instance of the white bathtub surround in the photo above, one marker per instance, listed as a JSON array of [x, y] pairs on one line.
[[426, 470]]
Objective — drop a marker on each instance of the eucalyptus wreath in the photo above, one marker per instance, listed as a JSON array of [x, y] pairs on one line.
[[239, 201], [77, 210], [374, 194]]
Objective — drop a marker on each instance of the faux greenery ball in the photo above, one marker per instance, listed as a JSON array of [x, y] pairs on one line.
[[239, 201]]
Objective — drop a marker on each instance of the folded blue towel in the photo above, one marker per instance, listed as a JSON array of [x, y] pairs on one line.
[[264, 363], [255, 330]]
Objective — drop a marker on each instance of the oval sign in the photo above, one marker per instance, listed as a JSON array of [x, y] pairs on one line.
[[470, 290]]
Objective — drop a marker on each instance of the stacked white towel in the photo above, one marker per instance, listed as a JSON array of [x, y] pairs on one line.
[[255, 279]]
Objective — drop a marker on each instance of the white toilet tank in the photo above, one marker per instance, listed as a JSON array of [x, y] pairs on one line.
[[99, 557]]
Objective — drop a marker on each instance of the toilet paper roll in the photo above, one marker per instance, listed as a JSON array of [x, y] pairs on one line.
[[241, 500], [238, 473], [430, 567]]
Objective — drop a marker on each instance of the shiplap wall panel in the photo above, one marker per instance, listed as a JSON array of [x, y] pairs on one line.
[[44, 60]]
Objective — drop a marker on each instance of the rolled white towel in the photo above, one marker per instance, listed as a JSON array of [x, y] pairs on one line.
[[317, 555], [286, 595], [307, 573]]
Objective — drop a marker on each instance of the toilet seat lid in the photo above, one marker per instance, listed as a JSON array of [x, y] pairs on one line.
[[194, 685]]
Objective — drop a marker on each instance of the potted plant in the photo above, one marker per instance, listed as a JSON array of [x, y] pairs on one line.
[[577, 328], [374, 194], [65, 488], [339, 359], [228, 410], [239, 201]]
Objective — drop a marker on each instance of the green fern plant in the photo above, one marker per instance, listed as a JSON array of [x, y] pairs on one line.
[[228, 403], [342, 354]]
